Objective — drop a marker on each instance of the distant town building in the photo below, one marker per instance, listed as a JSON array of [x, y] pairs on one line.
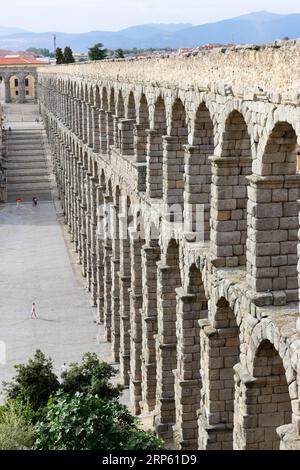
[[18, 77]]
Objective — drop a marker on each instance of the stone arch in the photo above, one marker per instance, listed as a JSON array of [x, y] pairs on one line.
[[198, 169], [270, 404], [173, 160], [120, 105], [229, 192], [143, 114], [274, 215], [220, 350], [154, 178]]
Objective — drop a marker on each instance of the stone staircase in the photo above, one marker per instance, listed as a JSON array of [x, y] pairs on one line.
[[27, 172]]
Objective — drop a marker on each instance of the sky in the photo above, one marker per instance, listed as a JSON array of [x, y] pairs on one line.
[[113, 15]]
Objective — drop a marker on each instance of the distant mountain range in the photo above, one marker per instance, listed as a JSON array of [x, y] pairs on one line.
[[255, 28]]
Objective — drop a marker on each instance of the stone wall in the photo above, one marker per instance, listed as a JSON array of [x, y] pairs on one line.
[[201, 318]]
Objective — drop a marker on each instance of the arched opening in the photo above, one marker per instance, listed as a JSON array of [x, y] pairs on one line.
[[140, 132], [104, 99], [154, 181], [107, 248], [30, 85], [270, 401], [97, 98], [220, 350], [273, 216], [173, 160], [115, 274], [143, 117], [120, 106], [125, 284], [15, 88], [229, 193], [131, 112], [2, 88], [198, 170]]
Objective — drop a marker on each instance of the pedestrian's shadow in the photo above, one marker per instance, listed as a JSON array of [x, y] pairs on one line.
[[46, 319]]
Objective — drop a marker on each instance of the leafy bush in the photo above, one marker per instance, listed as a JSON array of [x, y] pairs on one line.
[[87, 422], [16, 430], [91, 377], [34, 382]]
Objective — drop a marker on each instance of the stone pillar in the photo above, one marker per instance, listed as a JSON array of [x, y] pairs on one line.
[[187, 376], [220, 348], [154, 176], [140, 143], [228, 210], [22, 93], [168, 280], [7, 90], [100, 253], [272, 235], [107, 256], [136, 300], [125, 127], [116, 131], [83, 218], [150, 257]]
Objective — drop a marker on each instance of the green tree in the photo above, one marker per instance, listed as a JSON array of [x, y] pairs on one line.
[[97, 52], [16, 430], [119, 54], [68, 56], [86, 422], [59, 56], [91, 377], [34, 382]]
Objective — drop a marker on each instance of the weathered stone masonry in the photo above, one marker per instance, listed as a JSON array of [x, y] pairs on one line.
[[205, 333]]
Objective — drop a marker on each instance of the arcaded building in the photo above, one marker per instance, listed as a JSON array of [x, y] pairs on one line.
[[178, 179]]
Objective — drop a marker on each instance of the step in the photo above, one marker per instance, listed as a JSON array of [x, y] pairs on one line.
[[15, 166], [26, 172], [27, 179], [28, 186]]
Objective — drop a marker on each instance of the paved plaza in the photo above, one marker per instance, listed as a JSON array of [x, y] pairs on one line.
[[36, 267]]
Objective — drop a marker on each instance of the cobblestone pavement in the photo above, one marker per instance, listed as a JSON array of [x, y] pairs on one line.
[[37, 266]]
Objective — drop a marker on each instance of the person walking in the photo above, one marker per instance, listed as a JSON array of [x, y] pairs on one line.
[[33, 311]]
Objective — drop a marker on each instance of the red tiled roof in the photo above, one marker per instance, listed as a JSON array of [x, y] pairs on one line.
[[19, 61]]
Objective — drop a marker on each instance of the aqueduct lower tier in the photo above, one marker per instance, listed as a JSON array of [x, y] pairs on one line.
[[204, 329]]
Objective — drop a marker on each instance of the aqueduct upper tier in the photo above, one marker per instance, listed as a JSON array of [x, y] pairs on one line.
[[204, 327]]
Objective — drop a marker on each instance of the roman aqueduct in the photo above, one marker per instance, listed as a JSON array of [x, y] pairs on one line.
[[204, 329]]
